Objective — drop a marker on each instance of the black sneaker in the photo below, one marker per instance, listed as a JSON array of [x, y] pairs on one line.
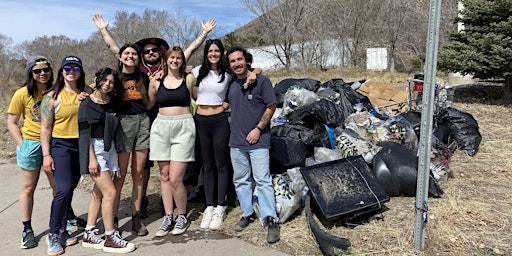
[[144, 207], [273, 233], [181, 225], [244, 222], [27, 239], [137, 226]]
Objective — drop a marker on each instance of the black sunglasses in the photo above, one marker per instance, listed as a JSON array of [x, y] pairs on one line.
[[38, 71], [149, 50], [213, 40]]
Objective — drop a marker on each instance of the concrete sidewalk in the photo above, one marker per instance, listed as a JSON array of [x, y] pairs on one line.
[[194, 242]]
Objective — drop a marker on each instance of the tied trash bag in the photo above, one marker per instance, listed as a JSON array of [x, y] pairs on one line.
[[286, 153], [287, 201], [296, 98], [282, 87], [396, 168], [297, 132], [462, 129], [323, 112], [348, 97]]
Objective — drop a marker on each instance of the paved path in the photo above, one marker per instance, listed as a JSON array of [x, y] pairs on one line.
[[194, 242]]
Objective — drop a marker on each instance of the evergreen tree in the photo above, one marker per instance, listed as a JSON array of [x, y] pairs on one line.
[[483, 47]]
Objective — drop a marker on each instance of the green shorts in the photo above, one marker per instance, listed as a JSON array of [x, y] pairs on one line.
[[173, 138], [135, 131], [29, 155]]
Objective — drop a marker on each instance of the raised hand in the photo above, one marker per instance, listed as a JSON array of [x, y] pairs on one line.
[[209, 25], [100, 23]]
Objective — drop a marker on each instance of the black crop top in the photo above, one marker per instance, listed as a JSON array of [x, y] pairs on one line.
[[179, 97]]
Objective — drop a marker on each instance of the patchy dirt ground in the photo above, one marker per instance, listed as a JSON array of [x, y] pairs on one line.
[[473, 217]]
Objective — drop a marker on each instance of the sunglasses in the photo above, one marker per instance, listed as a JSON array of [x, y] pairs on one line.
[[213, 41], [69, 68], [38, 71], [149, 50]]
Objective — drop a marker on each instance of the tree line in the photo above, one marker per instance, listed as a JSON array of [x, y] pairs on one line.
[[296, 29]]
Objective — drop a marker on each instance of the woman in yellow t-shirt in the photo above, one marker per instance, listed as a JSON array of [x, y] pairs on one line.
[[26, 103], [59, 141]]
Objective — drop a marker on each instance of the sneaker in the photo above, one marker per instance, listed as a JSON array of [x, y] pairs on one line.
[[181, 225], [244, 222], [207, 218], [54, 246], [27, 239], [66, 239], [137, 226], [77, 223], [115, 244], [144, 207], [273, 233], [91, 239], [166, 227], [218, 218]]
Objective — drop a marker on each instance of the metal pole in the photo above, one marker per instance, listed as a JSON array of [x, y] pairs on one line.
[[427, 111]]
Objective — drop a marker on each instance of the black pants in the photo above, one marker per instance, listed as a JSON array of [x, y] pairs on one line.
[[213, 132]]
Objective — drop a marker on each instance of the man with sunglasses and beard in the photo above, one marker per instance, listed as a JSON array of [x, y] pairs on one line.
[[153, 50]]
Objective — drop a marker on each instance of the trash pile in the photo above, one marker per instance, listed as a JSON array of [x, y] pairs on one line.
[[319, 122]]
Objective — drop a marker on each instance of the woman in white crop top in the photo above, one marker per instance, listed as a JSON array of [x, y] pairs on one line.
[[211, 83]]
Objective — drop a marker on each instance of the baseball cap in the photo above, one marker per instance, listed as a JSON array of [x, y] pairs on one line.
[[71, 60], [37, 59]]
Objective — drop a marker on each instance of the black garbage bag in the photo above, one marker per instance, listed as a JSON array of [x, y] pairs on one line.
[[292, 131], [396, 168], [281, 87], [461, 128], [414, 118], [348, 96], [324, 112], [286, 153]]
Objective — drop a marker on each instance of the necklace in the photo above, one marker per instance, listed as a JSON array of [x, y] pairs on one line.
[[149, 72]]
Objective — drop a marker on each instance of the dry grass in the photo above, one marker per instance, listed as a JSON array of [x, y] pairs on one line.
[[473, 217]]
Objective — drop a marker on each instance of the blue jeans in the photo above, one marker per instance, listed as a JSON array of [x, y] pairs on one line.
[[256, 161]]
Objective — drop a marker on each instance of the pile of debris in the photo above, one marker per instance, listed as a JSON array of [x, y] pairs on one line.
[[324, 122]]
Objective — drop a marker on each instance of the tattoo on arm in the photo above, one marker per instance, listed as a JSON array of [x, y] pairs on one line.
[[47, 110], [265, 119]]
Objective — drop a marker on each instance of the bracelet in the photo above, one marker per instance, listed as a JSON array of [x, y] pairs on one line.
[[47, 155], [257, 127]]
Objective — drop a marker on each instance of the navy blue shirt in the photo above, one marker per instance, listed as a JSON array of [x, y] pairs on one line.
[[247, 108]]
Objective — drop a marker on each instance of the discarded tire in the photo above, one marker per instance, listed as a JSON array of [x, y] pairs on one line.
[[325, 241]]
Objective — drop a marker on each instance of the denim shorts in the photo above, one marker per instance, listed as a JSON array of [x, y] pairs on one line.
[[106, 160], [29, 155]]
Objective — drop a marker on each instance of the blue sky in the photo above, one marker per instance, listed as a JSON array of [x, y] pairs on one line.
[[24, 20]]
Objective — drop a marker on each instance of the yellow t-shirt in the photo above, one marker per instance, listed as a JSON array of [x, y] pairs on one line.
[[29, 108], [65, 124]]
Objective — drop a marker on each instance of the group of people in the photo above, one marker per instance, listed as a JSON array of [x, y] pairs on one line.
[[140, 113]]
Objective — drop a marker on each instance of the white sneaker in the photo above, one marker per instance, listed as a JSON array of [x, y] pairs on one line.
[[207, 217], [218, 218]]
